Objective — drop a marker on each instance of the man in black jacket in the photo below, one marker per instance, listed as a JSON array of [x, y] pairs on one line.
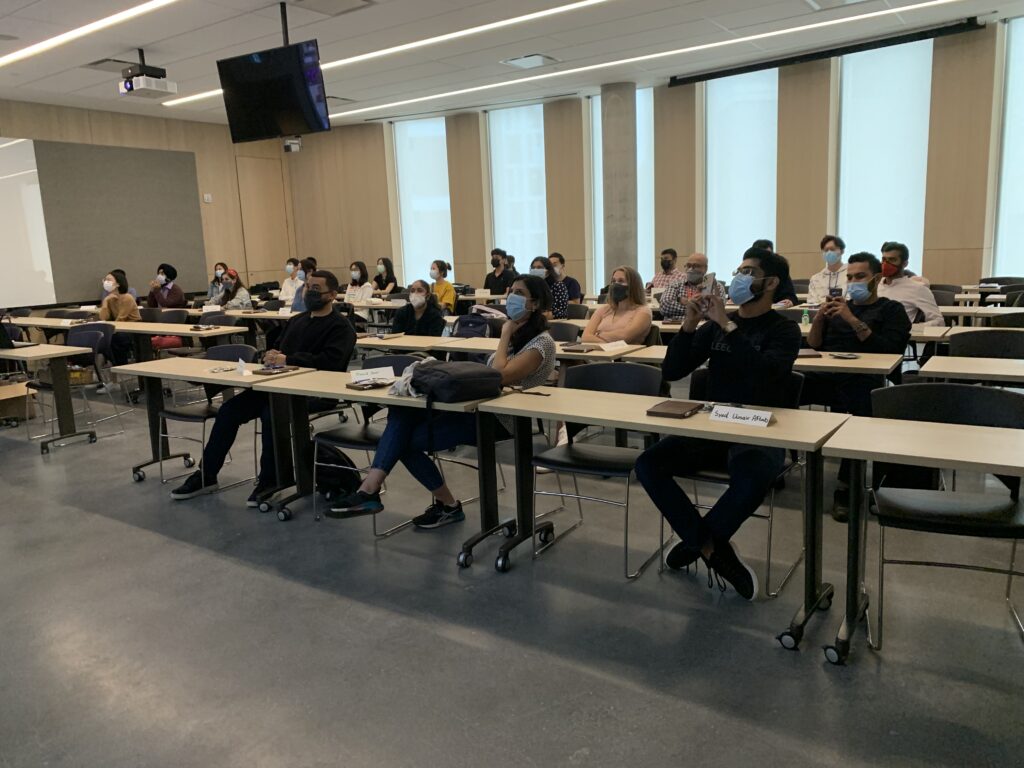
[[318, 338], [861, 322], [750, 358]]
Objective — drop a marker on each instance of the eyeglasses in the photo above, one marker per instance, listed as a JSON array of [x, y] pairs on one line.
[[751, 271], [693, 266]]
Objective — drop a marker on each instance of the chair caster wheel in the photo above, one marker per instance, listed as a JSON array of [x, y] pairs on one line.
[[189, 462], [545, 535], [284, 514], [502, 564], [832, 655], [92, 438], [508, 531], [138, 475], [465, 559], [790, 639], [825, 604], [264, 507]]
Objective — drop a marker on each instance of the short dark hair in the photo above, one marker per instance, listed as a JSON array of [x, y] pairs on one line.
[[866, 258], [546, 263], [293, 261], [772, 264], [833, 239], [118, 271], [900, 248], [764, 245], [308, 266], [313, 259], [510, 259], [329, 278], [498, 252], [560, 257], [671, 252]]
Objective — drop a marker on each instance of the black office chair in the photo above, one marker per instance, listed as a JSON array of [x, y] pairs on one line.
[[653, 338], [1015, 320], [564, 331], [954, 289], [1001, 281], [979, 515], [595, 460], [719, 474], [272, 305], [49, 334], [152, 314], [20, 312], [801, 286], [944, 298], [578, 311], [1014, 299], [1006, 343]]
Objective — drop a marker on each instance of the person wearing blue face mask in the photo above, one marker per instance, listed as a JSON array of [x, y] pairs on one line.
[[290, 285], [861, 322], [525, 357], [830, 281], [750, 355], [543, 268], [306, 267]]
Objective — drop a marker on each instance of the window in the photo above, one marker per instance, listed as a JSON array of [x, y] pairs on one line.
[[421, 162], [1010, 218], [883, 151], [741, 159], [597, 196], [518, 192]]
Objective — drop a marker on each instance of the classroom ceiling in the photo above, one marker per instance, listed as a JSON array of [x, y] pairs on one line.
[[188, 37]]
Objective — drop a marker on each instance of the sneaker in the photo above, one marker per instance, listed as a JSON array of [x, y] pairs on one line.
[[725, 562], [257, 495], [358, 503], [101, 388], [193, 487], [681, 556], [841, 505], [563, 435], [437, 514]]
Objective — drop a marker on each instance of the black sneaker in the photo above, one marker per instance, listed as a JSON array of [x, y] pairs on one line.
[[841, 505], [193, 487], [358, 503], [437, 514], [725, 562], [681, 556], [257, 494]]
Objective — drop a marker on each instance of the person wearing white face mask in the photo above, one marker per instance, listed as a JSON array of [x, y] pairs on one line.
[[545, 270], [443, 290], [290, 285], [385, 282], [360, 288], [422, 315], [572, 285], [110, 284], [830, 281], [216, 288], [163, 292]]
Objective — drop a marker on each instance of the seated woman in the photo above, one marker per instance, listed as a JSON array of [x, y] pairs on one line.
[[360, 288], [235, 295], [422, 315], [306, 267], [525, 357], [119, 306], [626, 317], [216, 288], [543, 268], [385, 282], [444, 290]]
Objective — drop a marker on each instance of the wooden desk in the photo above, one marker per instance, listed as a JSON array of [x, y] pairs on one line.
[[199, 370], [975, 369], [389, 305], [57, 354], [958, 329], [926, 444], [967, 298], [489, 345], [868, 363], [404, 343], [919, 332], [792, 430], [483, 298]]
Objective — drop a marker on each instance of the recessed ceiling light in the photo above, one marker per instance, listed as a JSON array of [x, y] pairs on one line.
[[651, 56], [579, 4], [74, 34], [530, 61]]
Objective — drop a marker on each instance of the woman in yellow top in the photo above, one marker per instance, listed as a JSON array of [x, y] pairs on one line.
[[626, 317], [119, 306], [444, 290]]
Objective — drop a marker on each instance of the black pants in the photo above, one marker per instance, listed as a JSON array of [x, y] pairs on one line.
[[842, 392], [120, 348], [236, 411]]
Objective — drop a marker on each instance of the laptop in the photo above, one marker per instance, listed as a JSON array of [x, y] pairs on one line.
[[7, 343]]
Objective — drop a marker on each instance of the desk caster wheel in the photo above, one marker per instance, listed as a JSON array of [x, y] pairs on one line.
[[832, 655], [465, 559], [502, 564], [508, 531], [264, 507], [790, 639], [138, 475], [545, 535], [284, 514], [189, 462]]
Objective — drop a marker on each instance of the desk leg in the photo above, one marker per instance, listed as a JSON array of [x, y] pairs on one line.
[[523, 440], [143, 348], [817, 596], [488, 479], [301, 450], [856, 594], [63, 405], [154, 391]]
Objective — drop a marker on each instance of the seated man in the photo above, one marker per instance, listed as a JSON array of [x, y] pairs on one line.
[[909, 290], [318, 338], [750, 354], [500, 279], [668, 275], [864, 322], [785, 296], [672, 303]]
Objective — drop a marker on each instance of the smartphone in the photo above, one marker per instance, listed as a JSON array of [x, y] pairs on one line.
[[835, 293], [363, 386], [844, 355], [709, 284]]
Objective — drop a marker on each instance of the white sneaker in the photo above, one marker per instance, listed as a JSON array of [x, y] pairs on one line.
[[563, 436]]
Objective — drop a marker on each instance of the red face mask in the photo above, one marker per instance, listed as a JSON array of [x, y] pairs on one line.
[[889, 270]]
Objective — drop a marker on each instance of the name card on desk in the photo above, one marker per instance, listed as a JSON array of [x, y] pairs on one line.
[[736, 415], [65, 321], [284, 311], [611, 346], [211, 308], [373, 374]]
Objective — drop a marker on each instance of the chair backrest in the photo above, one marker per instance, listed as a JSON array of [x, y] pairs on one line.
[[1006, 343], [179, 316], [471, 327], [623, 378], [397, 362], [61, 313], [653, 338], [81, 337], [20, 312], [1016, 320], [564, 331], [950, 404], [13, 331], [1014, 299], [397, 296], [495, 323], [231, 353], [107, 329], [78, 314], [1002, 280], [272, 305], [944, 298], [947, 287], [801, 286], [1012, 288], [578, 311], [699, 386], [151, 314]]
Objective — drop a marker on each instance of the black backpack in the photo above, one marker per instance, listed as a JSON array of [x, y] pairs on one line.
[[456, 382], [339, 478], [472, 327]]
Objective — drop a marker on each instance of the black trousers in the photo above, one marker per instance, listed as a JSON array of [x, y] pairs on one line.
[[236, 411]]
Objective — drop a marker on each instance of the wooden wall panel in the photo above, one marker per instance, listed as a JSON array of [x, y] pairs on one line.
[[675, 170], [565, 161], [264, 220], [963, 80], [469, 196], [803, 164]]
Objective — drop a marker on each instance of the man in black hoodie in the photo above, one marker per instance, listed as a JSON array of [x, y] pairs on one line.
[[750, 356], [318, 338]]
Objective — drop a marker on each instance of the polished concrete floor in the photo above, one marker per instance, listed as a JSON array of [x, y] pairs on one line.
[[136, 631]]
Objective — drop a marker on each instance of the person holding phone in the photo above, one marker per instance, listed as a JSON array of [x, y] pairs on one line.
[[860, 322], [830, 281], [696, 283]]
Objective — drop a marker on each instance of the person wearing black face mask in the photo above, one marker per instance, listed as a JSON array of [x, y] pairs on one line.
[[669, 274], [500, 279], [318, 338], [626, 317]]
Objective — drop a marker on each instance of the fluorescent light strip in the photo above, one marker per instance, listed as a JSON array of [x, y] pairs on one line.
[[88, 29], [418, 44], [12, 143], [650, 56], [20, 173]]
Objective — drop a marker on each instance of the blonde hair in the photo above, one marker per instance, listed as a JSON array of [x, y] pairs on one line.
[[634, 285]]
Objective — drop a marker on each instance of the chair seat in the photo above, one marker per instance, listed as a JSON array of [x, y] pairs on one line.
[[185, 351], [37, 384], [352, 436], [721, 474], [583, 459], [196, 412], [985, 515]]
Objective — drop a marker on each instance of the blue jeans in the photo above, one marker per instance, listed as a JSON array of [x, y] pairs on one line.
[[409, 435], [752, 470]]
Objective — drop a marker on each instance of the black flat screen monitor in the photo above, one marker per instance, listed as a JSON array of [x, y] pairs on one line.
[[274, 93]]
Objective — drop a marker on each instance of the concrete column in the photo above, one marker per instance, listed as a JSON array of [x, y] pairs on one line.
[[618, 151]]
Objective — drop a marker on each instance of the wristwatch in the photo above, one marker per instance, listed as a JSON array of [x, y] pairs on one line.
[[730, 327]]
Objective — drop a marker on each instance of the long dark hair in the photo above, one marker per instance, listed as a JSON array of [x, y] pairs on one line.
[[227, 295], [382, 281], [538, 289], [443, 267], [216, 280], [363, 274], [431, 296], [545, 262]]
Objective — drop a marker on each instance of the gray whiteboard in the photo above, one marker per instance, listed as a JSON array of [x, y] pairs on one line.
[[109, 207]]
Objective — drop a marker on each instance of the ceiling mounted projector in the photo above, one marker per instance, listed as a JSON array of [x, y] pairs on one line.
[[145, 81]]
